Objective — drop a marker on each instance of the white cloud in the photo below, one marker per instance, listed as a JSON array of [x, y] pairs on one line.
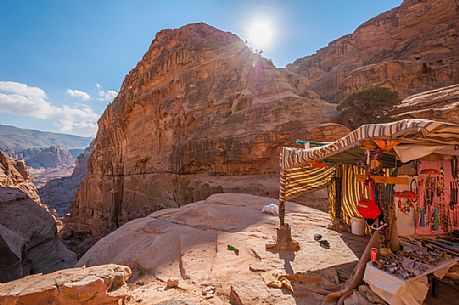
[[21, 99], [106, 96], [21, 89], [78, 94]]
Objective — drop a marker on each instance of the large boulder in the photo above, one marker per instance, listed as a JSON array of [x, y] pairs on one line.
[[28, 239], [89, 286]]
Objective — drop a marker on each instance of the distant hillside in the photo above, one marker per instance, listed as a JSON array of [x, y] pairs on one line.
[[17, 138]]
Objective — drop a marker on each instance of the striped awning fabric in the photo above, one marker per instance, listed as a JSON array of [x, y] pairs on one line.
[[298, 175], [300, 180], [415, 131]]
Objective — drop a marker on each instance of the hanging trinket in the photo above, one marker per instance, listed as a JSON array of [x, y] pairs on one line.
[[454, 200]]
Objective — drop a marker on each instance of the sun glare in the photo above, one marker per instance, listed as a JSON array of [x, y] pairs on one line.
[[260, 35]]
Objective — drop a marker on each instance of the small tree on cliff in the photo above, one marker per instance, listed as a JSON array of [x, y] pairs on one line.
[[370, 105]]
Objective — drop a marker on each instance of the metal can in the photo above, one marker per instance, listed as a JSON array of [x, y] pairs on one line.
[[374, 254], [391, 268]]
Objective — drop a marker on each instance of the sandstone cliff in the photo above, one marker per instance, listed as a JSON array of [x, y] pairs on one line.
[[44, 157], [441, 104], [59, 193], [14, 173], [410, 49], [199, 114], [28, 239]]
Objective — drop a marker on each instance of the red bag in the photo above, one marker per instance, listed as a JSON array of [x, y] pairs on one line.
[[367, 206]]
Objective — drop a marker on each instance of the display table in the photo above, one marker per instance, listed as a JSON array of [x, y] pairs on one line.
[[397, 291]]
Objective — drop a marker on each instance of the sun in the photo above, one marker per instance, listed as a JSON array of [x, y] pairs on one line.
[[260, 35]]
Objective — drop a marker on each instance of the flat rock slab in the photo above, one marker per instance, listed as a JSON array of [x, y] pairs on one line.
[[191, 244]]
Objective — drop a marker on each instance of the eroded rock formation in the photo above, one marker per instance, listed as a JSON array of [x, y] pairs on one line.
[[441, 104], [89, 286], [199, 114], [410, 49], [28, 238], [14, 173], [59, 193], [44, 157]]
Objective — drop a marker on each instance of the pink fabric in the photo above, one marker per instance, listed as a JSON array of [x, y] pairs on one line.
[[437, 202]]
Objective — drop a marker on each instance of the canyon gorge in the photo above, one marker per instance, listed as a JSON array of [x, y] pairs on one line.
[[202, 114], [199, 115]]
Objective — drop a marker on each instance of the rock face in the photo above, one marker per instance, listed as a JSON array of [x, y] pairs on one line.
[[45, 163], [89, 286], [28, 240], [441, 104], [191, 244], [13, 173], [199, 114], [410, 49], [328, 132], [59, 193], [47, 157]]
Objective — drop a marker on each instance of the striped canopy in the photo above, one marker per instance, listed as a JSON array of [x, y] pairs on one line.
[[298, 175], [416, 131]]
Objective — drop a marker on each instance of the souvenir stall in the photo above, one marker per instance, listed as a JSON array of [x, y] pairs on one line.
[[401, 180]]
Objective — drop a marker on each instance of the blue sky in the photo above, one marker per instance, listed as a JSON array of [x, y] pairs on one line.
[[61, 62]]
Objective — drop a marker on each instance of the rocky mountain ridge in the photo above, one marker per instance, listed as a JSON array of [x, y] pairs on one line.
[[12, 137], [409, 49], [199, 114], [44, 157], [202, 114]]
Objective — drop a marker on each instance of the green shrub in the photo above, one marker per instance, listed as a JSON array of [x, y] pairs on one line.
[[369, 105]]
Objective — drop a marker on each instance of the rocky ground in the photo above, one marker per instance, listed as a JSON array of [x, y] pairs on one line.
[[190, 245], [100, 285], [180, 257]]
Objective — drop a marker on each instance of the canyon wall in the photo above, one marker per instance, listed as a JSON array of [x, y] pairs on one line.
[[28, 236], [14, 173], [409, 49], [199, 114], [59, 193], [440, 104], [44, 157]]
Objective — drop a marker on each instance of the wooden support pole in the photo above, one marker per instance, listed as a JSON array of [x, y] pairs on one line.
[[338, 191], [281, 212]]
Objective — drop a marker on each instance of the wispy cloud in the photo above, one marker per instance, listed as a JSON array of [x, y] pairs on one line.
[[21, 99], [78, 94], [106, 96]]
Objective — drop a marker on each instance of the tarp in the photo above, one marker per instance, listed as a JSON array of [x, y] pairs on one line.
[[416, 131], [299, 176]]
